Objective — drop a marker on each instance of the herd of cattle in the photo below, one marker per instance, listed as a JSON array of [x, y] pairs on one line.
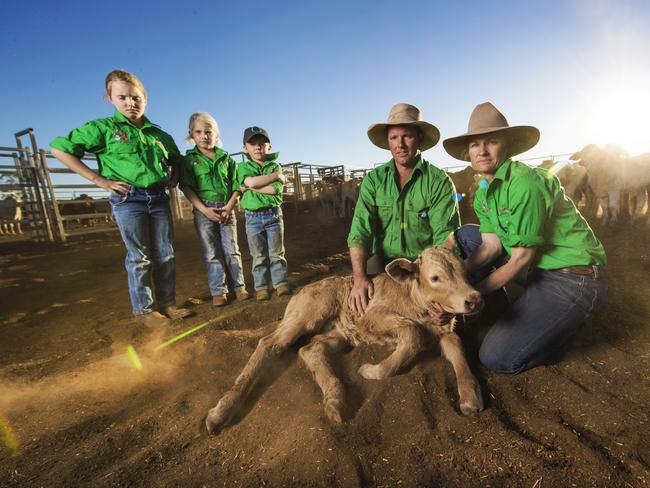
[[606, 183]]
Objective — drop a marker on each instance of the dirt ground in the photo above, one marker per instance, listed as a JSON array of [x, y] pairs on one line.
[[75, 411]]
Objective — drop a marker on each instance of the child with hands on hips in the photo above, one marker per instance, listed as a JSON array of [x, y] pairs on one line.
[[136, 161]]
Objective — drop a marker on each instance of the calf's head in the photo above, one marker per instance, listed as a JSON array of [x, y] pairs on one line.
[[437, 276]]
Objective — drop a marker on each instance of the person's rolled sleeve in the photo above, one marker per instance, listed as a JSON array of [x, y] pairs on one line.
[[528, 214], [361, 229], [87, 138]]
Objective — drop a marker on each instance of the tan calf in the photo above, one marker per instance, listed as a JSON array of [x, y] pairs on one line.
[[413, 303]]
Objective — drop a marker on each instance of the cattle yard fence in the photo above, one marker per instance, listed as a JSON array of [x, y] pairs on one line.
[[41, 200]]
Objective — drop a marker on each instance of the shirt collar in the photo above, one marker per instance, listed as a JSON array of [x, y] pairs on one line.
[[218, 152], [121, 118], [504, 170], [418, 166], [270, 158]]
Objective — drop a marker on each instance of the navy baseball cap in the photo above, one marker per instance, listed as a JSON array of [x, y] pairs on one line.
[[254, 131]]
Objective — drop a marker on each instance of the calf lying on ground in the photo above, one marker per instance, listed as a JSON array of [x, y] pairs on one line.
[[412, 304]]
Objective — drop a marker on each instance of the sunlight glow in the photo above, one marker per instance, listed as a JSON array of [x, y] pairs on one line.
[[618, 108]]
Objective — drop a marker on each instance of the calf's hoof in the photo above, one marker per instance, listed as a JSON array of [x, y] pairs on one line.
[[333, 410], [216, 419], [472, 402], [371, 371]]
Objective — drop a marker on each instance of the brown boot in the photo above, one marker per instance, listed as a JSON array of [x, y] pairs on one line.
[[242, 295], [283, 290], [153, 320], [261, 295], [174, 312], [219, 300]]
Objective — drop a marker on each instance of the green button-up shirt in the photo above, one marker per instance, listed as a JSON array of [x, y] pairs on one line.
[[527, 207], [138, 156], [252, 200], [211, 179], [403, 223]]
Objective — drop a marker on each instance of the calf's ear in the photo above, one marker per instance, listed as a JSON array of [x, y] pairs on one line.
[[450, 242], [402, 269]]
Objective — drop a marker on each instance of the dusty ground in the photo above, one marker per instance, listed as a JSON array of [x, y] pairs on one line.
[[80, 414]]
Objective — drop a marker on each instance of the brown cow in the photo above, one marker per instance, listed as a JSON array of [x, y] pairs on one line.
[[11, 215], [414, 302]]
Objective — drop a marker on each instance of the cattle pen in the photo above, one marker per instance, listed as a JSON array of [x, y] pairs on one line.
[[43, 201]]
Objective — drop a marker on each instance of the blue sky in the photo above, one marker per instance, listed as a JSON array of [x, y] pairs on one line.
[[316, 74]]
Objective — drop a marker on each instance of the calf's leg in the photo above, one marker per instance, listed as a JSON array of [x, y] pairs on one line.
[[469, 391], [409, 343], [314, 355], [300, 318]]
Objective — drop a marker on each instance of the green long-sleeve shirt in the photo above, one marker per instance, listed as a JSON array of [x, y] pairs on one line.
[[403, 223], [138, 156], [210, 179], [527, 207], [252, 200]]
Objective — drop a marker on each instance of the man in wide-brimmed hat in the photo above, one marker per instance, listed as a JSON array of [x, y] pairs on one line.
[[404, 205], [535, 236]]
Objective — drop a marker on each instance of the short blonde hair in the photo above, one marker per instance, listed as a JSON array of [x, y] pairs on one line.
[[120, 75], [206, 118]]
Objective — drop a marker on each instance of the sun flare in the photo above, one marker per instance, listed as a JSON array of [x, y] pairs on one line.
[[618, 111]]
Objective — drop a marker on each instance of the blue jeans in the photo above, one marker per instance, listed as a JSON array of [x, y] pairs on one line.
[[219, 245], [265, 234], [536, 326], [145, 222]]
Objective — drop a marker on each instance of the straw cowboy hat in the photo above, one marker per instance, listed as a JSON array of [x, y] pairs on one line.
[[404, 114], [486, 119]]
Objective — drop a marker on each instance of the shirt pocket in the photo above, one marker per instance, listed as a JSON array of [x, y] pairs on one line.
[[123, 149], [385, 214], [417, 219], [203, 175]]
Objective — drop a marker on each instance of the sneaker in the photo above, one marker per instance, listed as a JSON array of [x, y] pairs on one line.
[[242, 295], [174, 312], [262, 295], [283, 290], [219, 300], [153, 320]]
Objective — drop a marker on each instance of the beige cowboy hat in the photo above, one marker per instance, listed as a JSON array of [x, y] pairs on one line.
[[404, 114], [486, 119]]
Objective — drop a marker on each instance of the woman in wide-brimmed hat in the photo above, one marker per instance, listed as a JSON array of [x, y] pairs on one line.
[[534, 235], [404, 205]]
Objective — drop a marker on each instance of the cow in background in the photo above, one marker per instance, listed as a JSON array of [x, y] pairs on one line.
[[575, 180], [330, 190], [619, 182], [11, 215], [82, 205]]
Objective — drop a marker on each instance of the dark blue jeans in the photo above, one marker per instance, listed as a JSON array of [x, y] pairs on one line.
[[145, 223], [265, 234], [219, 246], [538, 324]]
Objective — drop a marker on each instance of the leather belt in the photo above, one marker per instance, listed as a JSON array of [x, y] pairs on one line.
[[580, 270]]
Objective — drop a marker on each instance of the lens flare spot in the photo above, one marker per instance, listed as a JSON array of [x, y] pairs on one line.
[[457, 197], [133, 357], [182, 335], [8, 437]]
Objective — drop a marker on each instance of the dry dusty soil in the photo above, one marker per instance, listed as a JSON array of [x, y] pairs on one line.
[[75, 411]]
